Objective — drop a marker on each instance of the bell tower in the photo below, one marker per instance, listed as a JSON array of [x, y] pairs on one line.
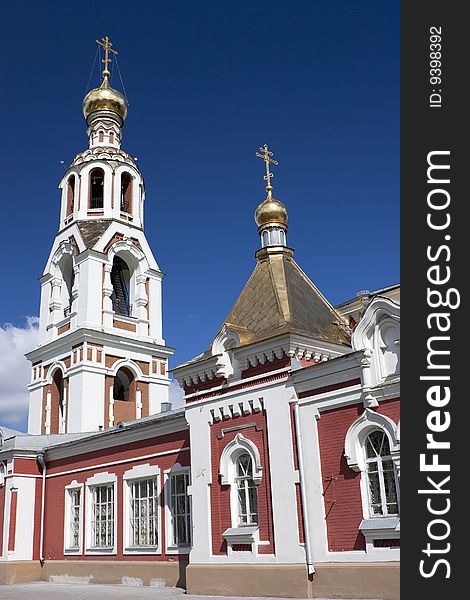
[[101, 357]]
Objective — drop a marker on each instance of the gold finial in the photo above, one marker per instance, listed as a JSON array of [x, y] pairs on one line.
[[108, 47], [266, 156]]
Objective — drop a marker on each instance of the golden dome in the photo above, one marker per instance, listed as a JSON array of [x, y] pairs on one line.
[[105, 98], [271, 212]]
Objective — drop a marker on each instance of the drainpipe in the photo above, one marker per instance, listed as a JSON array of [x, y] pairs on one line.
[[42, 462], [303, 495]]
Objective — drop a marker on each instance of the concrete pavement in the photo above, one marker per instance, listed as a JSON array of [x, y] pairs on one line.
[[79, 591]]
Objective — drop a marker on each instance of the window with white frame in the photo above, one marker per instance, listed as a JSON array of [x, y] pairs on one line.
[[381, 475], [180, 509], [75, 506], [73, 517], [246, 490], [143, 512], [102, 516]]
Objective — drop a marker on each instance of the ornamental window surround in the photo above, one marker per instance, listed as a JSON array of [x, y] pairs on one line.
[[240, 467], [372, 447]]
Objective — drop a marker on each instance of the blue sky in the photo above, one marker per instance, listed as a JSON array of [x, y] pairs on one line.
[[208, 83]]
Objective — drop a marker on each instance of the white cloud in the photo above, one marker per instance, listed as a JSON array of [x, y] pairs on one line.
[[15, 372], [176, 394]]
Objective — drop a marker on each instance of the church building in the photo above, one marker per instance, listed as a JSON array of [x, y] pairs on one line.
[[280, 476]]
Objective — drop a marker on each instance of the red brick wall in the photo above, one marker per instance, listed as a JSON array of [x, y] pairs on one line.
[[300, 516], [37, 519], [2, 516], [204, 385], [220, 495], [27, 466], [341, 485], [277, 363], [12, 529], [55, 490], [300, 519]]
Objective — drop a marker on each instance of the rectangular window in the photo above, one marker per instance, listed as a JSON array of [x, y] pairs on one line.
[[102, 524], [74, 518], [143, 512], [180, 510]]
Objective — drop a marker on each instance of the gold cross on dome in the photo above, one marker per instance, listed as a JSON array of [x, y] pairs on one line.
[[108, 47], [266, 156]]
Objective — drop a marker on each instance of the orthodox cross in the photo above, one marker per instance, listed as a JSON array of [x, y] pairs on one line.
[[108, 47], [266, 156]]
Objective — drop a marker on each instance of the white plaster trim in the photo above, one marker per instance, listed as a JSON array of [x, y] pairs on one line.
[[231, 451], [142, 472], [126, 362], [379, 307], [119, 462], [359, 430]]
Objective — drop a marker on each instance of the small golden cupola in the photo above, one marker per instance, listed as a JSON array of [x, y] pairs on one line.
[[271, 215], [105, 98]]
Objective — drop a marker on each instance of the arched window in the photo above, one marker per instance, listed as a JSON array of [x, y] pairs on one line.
[[122, 386], [58, 408], [100, 137], [246, 490], [68, 276], [120, 280], [111, 137], [96, 188], [70, 195], [381, 475], [126, 193]]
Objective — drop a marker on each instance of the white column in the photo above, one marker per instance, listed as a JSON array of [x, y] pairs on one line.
[[155, 313], [75, 289], [313, 482], [200, 483], [48, 414], [283, 475], [55, 304], [141, 301], [107, 302], [138, 404], [111, 407]]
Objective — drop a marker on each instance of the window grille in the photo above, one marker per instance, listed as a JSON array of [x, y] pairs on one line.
[[381, 476], [74, 518], [143, 513], [180, 509], [246, 490], [102, 525]]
